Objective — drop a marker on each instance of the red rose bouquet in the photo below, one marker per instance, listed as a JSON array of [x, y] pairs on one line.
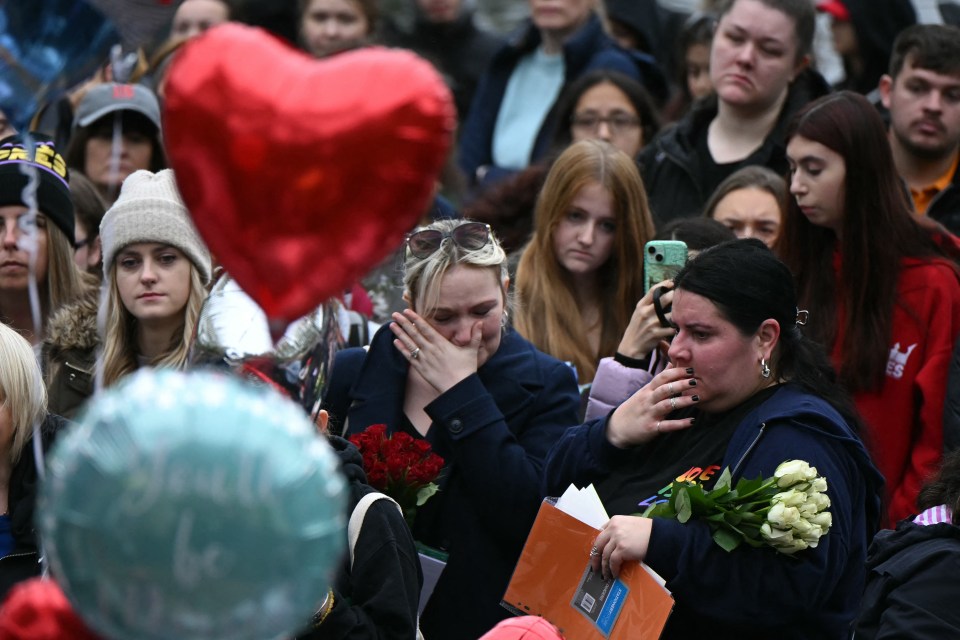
[[401, 466]]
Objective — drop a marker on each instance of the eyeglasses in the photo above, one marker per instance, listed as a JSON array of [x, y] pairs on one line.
[[469, 235], [618, 122]]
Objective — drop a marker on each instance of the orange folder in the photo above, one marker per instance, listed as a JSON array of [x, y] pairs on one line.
[[549, 581]]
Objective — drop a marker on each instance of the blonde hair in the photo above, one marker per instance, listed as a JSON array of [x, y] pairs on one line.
[[545, 287], [119, 356], [66, 282], [422, 276], [21, 388]]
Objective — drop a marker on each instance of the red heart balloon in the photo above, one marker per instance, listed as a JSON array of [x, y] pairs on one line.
[[302, 174]]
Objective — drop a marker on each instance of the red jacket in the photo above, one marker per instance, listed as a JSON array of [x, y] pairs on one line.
[[905, 415]]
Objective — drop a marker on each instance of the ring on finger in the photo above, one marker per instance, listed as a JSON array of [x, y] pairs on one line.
[[415, 353], [658, 426], [594, 552], [672, 390], [673, 404]]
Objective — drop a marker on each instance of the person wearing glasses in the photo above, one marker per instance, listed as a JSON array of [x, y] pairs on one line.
[[450, 370], [35, 251], [512, 119], [89, 207], [609, 106]]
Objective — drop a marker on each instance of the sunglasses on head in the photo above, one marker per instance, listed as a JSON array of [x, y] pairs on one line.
[[469, 235]]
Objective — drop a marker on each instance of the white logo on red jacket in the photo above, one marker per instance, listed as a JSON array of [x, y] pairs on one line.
[[898, 360]]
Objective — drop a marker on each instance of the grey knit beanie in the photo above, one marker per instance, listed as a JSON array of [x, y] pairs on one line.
[[149, 209]]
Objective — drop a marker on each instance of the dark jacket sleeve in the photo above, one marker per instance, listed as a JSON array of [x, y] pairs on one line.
[[757, 588], [502, 466], [951, 408], [336, 398], [915, 593], [582, 456], [378, 598]]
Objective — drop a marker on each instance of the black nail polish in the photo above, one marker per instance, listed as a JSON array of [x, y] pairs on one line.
[[693, 383], [689, 371], [693, 420], [695, 398]]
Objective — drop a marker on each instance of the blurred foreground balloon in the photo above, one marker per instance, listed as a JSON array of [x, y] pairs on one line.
[[193, 506], [233, 331], [38, 610], [302, 174], [47, 46]]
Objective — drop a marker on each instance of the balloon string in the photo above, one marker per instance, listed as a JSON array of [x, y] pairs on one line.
[[102, 332], [116, 148], [28, 235]]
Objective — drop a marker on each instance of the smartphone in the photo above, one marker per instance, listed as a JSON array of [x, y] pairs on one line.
[[662, 260]]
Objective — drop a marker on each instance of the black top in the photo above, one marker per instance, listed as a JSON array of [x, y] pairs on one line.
[[692, 454]]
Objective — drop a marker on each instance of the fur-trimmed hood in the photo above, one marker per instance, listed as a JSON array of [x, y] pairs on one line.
[[73, 326]]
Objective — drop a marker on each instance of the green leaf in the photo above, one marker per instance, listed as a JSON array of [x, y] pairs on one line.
[[425, 493], [732, 517], [724, 481], [700, 502], [682, 498], [662, 510], [727, 540]]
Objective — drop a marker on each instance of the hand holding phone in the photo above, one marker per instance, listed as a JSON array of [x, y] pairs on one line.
[[662, 260]]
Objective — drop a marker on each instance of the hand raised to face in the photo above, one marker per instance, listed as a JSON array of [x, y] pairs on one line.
[[440, 362]]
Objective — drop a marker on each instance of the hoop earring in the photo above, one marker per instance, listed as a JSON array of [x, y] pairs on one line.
[[764, 369]]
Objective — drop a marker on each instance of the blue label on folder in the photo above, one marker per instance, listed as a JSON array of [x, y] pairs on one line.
[[600, 600]]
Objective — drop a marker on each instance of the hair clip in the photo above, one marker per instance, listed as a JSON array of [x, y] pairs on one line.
[[802, 315]]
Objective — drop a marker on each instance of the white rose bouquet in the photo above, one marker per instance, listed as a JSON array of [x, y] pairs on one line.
[[787, 512]]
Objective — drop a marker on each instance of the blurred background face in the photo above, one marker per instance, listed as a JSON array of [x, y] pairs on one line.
[[332, 26], [605, 112], [6, 129], [750, 213], [134, 152], [560, 17], [697, 62], [440, 11], [193, 17]]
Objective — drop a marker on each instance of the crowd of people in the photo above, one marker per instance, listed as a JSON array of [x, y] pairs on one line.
[[817, 316]]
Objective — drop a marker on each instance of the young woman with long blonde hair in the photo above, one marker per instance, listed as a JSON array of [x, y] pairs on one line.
[[582, 272], [156, 269]]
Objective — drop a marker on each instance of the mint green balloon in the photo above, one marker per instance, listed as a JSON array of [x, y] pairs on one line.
[[193, 506]]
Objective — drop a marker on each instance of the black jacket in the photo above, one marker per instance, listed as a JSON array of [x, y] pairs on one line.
[[676, 186], [590, 48], [951, 407], [459, 50], [377, 598], [945, 206], [24, 561], [493, 429], [912, 588]]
